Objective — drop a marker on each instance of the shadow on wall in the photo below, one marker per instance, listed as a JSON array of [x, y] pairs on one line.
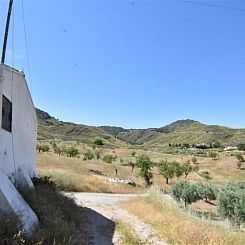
[[100, 228]]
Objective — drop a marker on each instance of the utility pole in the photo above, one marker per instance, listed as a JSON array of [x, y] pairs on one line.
[[6, 32]]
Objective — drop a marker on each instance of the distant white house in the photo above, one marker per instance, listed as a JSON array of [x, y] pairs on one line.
[[231, 148], [18, 134]]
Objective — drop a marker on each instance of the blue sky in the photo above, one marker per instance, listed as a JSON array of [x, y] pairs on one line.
[[135, 64]]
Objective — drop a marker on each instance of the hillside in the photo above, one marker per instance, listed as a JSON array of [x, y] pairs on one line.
[[51, 128], [182, 131]]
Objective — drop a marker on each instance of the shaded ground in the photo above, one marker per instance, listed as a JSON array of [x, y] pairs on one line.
[[102, 210]]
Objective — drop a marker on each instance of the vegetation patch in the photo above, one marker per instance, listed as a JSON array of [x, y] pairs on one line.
[[178, 226], [60, 219]]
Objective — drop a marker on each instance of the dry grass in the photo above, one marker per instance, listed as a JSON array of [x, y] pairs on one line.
[[10, 229], [128, 236], [179, 227], [72, 174], [60, 220]]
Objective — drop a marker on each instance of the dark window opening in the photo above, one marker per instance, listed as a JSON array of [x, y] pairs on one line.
[[6, 114]]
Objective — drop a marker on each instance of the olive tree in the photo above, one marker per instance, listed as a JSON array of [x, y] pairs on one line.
[[231, 202], [186, 192], [207, 192]]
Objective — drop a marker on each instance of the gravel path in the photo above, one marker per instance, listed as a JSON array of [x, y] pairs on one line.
[[101, 210]]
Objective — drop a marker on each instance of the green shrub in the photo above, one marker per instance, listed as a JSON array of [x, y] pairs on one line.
[[241, 147], [231, 202], [43, 148], [98, 142], [109, 158], [213, 155], [71, 151], [88, 155]]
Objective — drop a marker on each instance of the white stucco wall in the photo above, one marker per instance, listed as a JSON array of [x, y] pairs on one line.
[[18, 148]]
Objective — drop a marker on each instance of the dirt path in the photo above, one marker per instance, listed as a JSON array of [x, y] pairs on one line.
[[101, 210]]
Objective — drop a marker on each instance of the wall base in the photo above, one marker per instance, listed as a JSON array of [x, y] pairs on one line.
[[12, 201]]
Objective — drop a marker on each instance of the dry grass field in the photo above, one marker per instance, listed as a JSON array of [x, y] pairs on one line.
[[179, 227], [73, 173]]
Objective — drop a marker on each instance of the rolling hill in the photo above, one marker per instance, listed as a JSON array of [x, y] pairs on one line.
[[182, 131]]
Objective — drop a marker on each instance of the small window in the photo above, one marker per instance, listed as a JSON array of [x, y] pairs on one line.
[[6, 114]]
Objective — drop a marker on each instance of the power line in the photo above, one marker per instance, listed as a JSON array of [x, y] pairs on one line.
[[27, 54], [213, 5]]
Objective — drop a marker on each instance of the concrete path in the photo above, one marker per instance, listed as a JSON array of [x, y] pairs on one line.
[[101, 210]]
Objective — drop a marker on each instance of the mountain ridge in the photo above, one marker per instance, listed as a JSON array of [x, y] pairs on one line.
[[181, 131]]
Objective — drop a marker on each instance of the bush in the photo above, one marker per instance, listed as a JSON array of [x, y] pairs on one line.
[[241, 147], [231, 203], [43, 148], [240, 159], [57, 150], [109, 158], [71, 151], [213, 155], [205, 174], [98, 142], [97, 154], [133, 153], [239, 164], [88, 155]]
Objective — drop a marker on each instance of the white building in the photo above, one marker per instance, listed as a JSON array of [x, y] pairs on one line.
[[18, 134]]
